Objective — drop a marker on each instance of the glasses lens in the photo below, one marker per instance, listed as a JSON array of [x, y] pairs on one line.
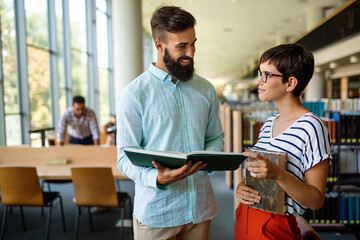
[[262, 76]]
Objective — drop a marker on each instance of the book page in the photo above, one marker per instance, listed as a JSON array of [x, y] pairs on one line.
[[212, 153], [157, 153]]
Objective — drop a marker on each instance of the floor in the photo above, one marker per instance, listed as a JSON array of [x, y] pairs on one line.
[[106, 223]]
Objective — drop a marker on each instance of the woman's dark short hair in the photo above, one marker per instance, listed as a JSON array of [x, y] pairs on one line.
[[78, 99], [292, 60], [170, 19]]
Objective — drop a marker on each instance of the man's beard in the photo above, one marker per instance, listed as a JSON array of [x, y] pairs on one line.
[[183, 73]]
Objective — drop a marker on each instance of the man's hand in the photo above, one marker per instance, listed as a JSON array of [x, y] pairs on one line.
[[168, 175]]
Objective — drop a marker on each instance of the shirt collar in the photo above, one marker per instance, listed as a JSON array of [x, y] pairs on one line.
[[159, 73]]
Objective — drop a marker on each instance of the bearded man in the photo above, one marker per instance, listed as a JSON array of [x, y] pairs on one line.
[[169, 108]]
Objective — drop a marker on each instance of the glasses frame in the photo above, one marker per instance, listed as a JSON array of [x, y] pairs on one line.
[[268, 75]]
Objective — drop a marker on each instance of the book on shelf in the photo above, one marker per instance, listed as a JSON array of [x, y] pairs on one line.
[[330, 124], [349, 125], [357, 208], [351, 208], [272, 195], [344, 218], [216, 161]]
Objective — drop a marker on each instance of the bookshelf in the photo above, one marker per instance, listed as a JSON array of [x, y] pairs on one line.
[[241, 123], [342, 200], [344, 129]]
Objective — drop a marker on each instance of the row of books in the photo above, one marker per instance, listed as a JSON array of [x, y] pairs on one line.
[[252, 128], [349, 127], [350, 123], [335, 105], [349, 212], [331, 126], [334, 169], [251, 131], [316, 107]]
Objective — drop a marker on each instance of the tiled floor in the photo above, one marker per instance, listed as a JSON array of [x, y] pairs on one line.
[[106, 223]]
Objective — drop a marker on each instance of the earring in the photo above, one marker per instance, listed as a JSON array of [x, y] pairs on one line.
[[287, 90]]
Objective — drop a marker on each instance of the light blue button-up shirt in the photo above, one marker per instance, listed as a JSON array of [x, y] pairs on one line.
[[156, 114]]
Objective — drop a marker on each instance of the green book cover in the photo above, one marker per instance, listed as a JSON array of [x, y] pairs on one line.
[[216, 161]]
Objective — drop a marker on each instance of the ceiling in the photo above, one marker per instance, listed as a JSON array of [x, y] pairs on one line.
[[232, 34]]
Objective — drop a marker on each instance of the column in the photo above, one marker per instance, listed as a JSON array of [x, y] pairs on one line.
[[313, 16], [316, 87], [127, 41], [280, 39], [315, 90]]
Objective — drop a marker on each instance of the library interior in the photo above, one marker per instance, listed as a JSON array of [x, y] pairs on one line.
[[54, 50]]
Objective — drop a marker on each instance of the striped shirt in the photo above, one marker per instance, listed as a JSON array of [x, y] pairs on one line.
[[80, 128], [156, 114], [306, 142]]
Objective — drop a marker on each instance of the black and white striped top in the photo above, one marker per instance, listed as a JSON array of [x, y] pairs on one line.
[[306, 142]]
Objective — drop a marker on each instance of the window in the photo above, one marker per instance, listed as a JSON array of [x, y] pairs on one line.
[[103, 60], [60, 55], [78, 47], [56, 36], [38, 63], [11, 107]]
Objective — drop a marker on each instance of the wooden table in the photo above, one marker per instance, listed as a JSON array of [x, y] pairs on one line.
[[76, 156]]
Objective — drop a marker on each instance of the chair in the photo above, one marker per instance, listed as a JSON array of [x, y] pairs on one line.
[[20, 187], [94, 187]]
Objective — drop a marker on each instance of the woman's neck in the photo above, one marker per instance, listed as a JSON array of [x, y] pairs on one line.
[[291, 108]]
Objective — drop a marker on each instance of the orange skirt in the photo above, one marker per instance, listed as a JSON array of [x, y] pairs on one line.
[[254, 224]]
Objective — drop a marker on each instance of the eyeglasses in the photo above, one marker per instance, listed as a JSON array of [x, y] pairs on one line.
[[265, 75]]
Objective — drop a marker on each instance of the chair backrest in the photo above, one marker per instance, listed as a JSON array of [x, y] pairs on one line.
[[94, 186], [20, 186]]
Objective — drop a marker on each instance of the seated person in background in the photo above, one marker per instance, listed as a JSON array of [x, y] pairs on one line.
[[284, 72], [81, 124]]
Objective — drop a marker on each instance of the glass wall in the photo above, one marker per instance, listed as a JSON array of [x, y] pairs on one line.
[[57, 62], [60, 55], [102, 18], [38, 62], [8, 53], [78, 45]]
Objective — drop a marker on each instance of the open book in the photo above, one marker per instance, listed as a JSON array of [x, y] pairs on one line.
[[216, 161], [272, 195]]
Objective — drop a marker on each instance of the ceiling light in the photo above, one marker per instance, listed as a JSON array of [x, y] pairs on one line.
[[354, 59], [226, 29], [317, 69], [332, 65]]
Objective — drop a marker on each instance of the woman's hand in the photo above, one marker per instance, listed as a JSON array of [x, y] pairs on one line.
[[262, 167], [247, 195]]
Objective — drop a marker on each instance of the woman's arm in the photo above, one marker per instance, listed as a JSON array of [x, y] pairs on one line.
[[310, 194]]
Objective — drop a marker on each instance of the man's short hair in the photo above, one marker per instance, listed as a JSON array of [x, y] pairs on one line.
[[170, 19], [78, 99], [292, 60]]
